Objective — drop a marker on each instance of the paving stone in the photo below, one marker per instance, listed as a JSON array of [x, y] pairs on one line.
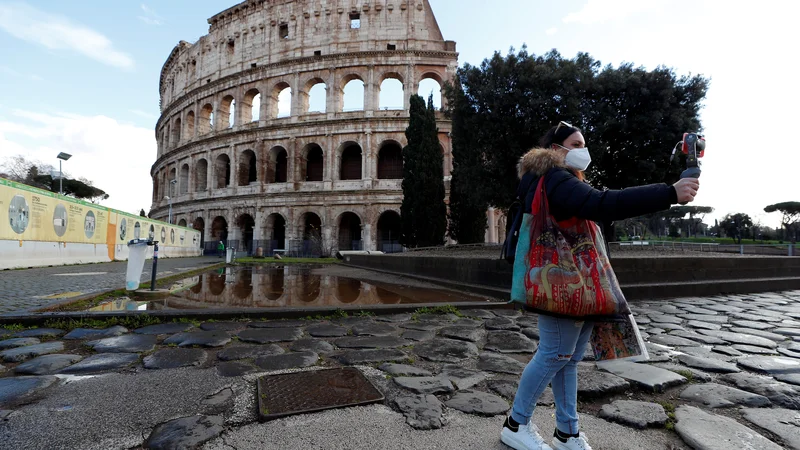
[[370, 342], [699, 310], [791, 378], [494, 362], [752, 324], [790, 323], [780, 394], [739, 338], [593, 383], [770, 365], [93, 333], [18, 342], [462, 378], [705, 431], [673, 341], [103, 362], [656, 330], [667, 326], [507, 312], [373, 329], [39, 332], [422, 326], [47, 364], [784, 423], [215, 338], [501, 323], [243, 352], [128, 343], [648, 377], [311, 345], [353, 357], [395, 318], [531, 333], [164, 328], [794, 346], [643, 320], [703, 325], [479, 403], [504, 388], [662, 319], [284, 323], [222, 326], [446, 350], [219, 398], [479, 313], [760, 333], [15, 389], [719, 396], [172, 358], [791, 332], [528, 321], [708, 365], [697, 337], [326, 330], [422, 412], [752, 349], [696, 375], [704, 318], [719, 307], [19, 354], [757, 317], [235, 368], [463, 333], [705, 352], [425, 385], [270, 335], [635, 414], [184, 433], [417, 335], [509, 342], [404, 370], [287, 361]]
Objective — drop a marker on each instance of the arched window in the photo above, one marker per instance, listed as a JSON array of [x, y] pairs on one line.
[[281, 101], [251, 106], [227, 112], [206, 119], [353, 95], [222, 171], [184, 181], [392, 95], [201, 175], [314, 163], [247, 168], [428, 87], [350, 166], [279, 165], [390, 161], [315, 98], [189, 125]]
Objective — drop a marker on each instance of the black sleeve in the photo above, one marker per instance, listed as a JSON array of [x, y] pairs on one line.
[[570, 197]]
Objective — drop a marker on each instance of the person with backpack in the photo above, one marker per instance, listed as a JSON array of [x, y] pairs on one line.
[[220, 249], [555, 170]]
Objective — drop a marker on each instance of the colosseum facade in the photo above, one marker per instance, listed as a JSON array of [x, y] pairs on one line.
[[245, 156]]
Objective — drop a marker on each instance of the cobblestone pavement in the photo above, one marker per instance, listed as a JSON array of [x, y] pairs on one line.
[[724, 373], [29, 288]]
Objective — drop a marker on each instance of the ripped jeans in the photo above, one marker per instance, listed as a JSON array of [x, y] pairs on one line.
[[561, 346]]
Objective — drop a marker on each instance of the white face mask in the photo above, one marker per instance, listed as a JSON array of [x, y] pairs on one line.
[[577, 158]]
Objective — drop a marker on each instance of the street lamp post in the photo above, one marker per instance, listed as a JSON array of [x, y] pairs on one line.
[[61, 157], [169, 197]]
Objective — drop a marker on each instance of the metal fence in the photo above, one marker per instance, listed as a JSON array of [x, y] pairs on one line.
[[706, 247]]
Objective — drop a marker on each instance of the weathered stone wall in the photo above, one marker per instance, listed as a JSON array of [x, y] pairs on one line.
[[204, 164]]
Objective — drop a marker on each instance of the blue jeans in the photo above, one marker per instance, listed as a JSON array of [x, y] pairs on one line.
[[561, 346]]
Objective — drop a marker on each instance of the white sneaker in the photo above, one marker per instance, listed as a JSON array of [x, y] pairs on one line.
[[573, 443], [526, 438]]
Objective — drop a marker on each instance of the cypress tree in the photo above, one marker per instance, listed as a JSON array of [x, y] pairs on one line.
[[423, 214]]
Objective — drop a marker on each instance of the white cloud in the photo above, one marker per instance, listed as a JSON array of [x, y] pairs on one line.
[[600, 11], [58, 33], [551, 31], [114, 155], [150, 17]]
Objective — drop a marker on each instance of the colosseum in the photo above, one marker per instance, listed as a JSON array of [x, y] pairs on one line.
[[282, 129]]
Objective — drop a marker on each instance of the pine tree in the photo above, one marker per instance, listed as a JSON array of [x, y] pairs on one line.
[[423, 214]]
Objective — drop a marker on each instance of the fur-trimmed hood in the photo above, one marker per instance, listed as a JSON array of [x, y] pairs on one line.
[[539, 161]]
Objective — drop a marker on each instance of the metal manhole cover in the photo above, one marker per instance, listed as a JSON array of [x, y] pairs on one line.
[[305, 392]]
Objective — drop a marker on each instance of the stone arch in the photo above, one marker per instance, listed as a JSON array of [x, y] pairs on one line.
[[280, 106], [199, 224], [182, 223], [183, 184], [226, 112], [243, 288], [350, 155], [313, 98], [312, 167], [248, 171], [275, 283], [205, 125], [310, 232], [390, 161], [175, 139], [201, 175], [219, 229], [349, 226], [348, 290], [352, 93], [222, 171], [251, 106], [392, 92], [246, 225], [389, 232], [155, 186], [173, 176], [275, 231], [216, 282], [189, 126], [278, 167], [431, 84], [309, 285]]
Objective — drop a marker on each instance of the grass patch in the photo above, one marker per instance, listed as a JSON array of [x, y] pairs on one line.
[[670, 410], [270, 260], [443, 309], [129, 322], [15, 327], [686, 374]]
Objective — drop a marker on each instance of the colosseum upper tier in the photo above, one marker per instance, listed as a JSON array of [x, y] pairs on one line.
[[245, 153]]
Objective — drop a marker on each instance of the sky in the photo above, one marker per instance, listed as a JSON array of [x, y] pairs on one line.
[[82, 77]]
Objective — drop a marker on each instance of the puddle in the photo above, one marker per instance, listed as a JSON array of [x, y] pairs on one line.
[[283, 286]]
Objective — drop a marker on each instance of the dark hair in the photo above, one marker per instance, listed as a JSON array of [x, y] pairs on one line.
[[551, 137]]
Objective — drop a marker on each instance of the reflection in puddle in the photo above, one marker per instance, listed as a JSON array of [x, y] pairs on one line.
[[283, 286]]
